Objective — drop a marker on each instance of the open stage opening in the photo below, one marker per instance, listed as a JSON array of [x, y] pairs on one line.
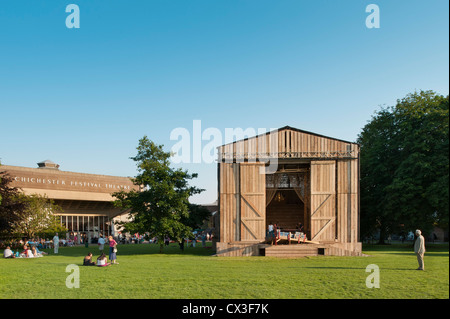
[[286, 210], [287, 198]]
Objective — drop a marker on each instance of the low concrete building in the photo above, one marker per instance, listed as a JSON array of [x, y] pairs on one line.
[[86, 199]]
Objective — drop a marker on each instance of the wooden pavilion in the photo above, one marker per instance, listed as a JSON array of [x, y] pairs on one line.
[[304, 183]]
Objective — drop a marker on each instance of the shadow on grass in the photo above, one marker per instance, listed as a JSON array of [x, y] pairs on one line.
[[427, 253], [432, 250], [405, 247], [360, 268]]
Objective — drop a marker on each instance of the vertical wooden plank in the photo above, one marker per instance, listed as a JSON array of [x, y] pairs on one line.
[[288, 141], [222, 202], [253, 202], [323, 189], [348, 200], [229, 206], [301, 145]]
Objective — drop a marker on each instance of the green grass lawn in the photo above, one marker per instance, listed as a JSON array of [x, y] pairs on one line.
[[195, 274]]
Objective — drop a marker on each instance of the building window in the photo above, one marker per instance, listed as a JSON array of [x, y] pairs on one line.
[[69, 223]]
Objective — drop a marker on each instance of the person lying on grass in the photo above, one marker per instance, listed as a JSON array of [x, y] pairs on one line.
[[35, 252], [42, 253]]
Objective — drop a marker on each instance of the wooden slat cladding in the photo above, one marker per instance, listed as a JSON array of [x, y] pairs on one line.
[[331, 204], [229, 202], [323, 200], [253, 202], [347, 194], [287, 143]]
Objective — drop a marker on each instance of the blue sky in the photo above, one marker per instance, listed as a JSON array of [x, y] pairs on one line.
[[84, 97]]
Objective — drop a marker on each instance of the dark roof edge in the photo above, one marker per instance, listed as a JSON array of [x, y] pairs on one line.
[[287, 127]]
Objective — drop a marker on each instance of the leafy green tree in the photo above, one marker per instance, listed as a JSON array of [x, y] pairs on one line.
[[38, 217], [11, 207], [163, 201], [197, 215], [54, 226], [404, 166], [377, 152], [0, 183]]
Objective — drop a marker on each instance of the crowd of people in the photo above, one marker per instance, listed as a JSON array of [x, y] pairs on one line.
[[197, 237], [203, 237], [33, 248], [28, 251], [141, 238]]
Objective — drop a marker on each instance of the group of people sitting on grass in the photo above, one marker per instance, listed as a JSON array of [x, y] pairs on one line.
[[102, 261], [27, 252]]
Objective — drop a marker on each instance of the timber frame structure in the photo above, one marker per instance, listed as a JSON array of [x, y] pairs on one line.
[[288, 177]]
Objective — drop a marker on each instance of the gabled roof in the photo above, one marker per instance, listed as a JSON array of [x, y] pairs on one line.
[[287, 127]]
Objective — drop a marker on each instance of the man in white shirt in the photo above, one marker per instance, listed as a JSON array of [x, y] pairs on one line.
[[55, 243], [419, 249], [101, 243], [8, 253]]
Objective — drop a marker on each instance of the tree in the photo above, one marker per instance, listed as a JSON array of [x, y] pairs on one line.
[[54, 226], [163, 201], [11, 207], [197, 215], [404, 166], [38, 217], [0, 183], [378, 152]]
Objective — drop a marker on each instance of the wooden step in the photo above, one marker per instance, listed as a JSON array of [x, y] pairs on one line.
[[291, 251]]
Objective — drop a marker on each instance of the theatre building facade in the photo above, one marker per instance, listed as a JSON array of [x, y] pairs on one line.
[[86, 199]]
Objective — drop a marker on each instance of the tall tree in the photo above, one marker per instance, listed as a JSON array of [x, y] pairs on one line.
[[11, 207], [38, 216], [197, 216], [163, 200], [0, 183], [378, 152], [404, 166]]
